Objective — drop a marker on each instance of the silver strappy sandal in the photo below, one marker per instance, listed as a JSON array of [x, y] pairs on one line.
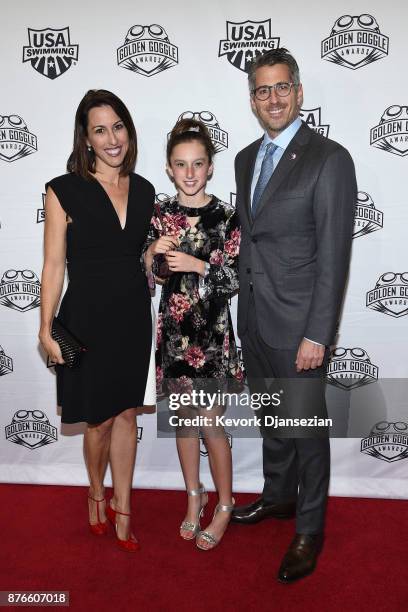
[[188, 525], [206, 535]]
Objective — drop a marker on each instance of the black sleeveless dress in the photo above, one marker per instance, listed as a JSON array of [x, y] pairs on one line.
[[107, 304]]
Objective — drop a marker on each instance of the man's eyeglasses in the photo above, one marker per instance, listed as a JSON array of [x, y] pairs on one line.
[[282, 90]]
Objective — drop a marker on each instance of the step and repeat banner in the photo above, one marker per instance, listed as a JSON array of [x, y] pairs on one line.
[[166, 61]]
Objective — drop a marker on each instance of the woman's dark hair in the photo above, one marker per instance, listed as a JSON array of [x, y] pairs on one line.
[[188, 130], [82, 161]]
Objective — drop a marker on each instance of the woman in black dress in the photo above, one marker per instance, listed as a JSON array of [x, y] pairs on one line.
[[199, 236], [97, 218]]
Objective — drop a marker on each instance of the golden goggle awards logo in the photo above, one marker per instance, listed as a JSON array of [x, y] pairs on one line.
[[20, 290], [312, 118], [367, 217], [387, 441], [246, 40], [50, 51], [355, 41], [16, 141], [147, 50], [161, 197], [6, 363], [31, 428], [218, 136], [391, 134], [390, 294], [350, 368]]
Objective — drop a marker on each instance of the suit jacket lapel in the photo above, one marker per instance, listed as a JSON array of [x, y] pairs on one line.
[[249, 172], [288, 161]]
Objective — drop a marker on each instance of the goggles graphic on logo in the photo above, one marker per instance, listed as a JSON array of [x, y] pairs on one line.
[[15, 139], [20, 290], [31, 428], [367, 218], [161, 197], [147, 50], [350, 368], [355, 41], [387, 441], [391, 134], [218, 136], [390, 294]]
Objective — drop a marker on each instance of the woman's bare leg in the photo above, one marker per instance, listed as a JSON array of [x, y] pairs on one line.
[[96, 452], [122, 458]]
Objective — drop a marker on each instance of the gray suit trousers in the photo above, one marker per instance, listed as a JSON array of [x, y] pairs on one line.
[[295, 469]]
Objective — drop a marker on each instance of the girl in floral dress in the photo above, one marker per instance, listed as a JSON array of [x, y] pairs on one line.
[[198, 237]]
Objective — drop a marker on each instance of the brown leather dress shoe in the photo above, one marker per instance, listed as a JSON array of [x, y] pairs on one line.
[[300, 559], [259, 510]]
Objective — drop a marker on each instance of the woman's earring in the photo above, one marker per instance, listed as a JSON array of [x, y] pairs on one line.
[[89, 148]]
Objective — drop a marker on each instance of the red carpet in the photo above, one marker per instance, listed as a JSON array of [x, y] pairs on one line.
[[46, 545]]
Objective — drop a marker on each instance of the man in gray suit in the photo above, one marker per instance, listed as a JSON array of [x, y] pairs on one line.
[[296, 194]]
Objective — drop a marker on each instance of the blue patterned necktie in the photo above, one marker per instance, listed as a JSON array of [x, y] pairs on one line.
[[264, 176]]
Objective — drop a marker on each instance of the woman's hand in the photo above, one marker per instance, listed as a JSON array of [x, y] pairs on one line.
[[181, 262], [51, 347], [162, 245]]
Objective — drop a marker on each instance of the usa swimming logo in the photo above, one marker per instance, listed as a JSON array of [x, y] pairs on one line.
[[350, 368], [246, 40], [218, 136], [20, 290], [312, 118], [147, 50], [41, 211], [367, 217], [50, 51], [390, 294], [391, 134], [16, 140], [355, 41]]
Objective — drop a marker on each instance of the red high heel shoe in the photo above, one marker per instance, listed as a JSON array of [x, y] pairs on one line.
[[98, 528], [131, 544]]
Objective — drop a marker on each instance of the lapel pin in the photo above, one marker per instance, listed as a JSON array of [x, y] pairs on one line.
[[293, 156]]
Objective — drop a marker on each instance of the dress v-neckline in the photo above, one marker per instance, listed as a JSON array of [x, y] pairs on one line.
[[123, 228]]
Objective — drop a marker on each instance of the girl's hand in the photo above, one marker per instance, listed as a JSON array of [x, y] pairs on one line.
[[51, 347], [163, 245], [181, 262]]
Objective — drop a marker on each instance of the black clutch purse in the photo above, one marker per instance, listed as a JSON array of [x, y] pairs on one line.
[[71, 347]]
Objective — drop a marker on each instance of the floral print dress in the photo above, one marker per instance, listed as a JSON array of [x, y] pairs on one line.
[[195, 338]]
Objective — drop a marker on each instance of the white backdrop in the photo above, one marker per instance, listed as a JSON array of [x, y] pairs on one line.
[[347, 94]]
